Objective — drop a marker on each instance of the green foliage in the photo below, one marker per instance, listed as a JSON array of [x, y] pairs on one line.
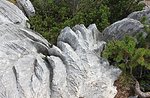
[[120, 51], [120, 9], [144, 39], [132, 55], [126, 80], [126, 54], [145, 81], [54, 15], [130, 58]]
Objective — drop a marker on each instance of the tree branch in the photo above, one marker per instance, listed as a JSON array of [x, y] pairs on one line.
[[139, 92]]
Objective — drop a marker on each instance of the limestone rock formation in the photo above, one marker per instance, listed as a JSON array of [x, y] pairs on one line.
[[30, 67], [23, 71], [26, 6], [11, 13], [127, 26], [121, 28], [79, 71], [140, 14]]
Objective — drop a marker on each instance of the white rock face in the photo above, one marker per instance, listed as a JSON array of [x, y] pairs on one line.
[[11, 13], [26, 6], [78, 69], [23, 70], [31, 68]]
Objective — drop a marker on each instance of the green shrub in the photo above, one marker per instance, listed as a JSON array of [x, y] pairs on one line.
[[54, 15], [126, 55], [120, 9]]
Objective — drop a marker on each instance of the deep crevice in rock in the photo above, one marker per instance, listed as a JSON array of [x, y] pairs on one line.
[[35, 70], [19, 88], [48, 65]]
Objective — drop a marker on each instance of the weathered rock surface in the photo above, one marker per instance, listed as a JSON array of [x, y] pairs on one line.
[[23, 70], [79, 72], [140, 14], [121, 28], [31, 68], [26, 6], [128, 26], [11, 13]]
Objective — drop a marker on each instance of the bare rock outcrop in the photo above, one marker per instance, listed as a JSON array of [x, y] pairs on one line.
[[11, 13], [121, 28], [79, 71], [26, 6], [30, 67]]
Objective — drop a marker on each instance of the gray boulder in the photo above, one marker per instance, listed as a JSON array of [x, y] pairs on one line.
[[121, 28]]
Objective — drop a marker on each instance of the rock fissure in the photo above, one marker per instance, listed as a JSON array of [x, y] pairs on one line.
[[36, 68], [49, 67], [20, 90]]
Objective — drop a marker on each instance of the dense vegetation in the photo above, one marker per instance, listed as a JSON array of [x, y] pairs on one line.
[[127, 55], [53, 15], [132, 56]]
